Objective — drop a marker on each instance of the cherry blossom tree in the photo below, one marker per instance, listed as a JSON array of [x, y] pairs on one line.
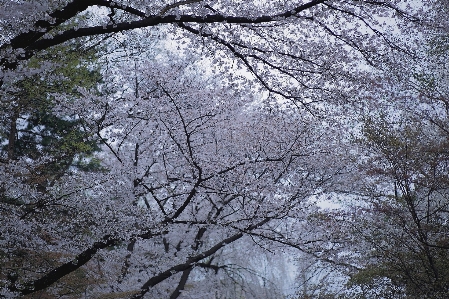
[[185, 178], [194, 164]]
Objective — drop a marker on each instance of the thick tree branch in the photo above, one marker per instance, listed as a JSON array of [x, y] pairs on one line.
[[58, 17], [77, 262], [181, 284], [57, 273], [33, 42]]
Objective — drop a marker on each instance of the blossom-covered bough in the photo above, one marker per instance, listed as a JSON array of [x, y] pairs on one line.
[[190, 163], [286, 38]]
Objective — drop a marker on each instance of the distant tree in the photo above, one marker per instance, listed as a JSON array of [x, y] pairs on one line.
[[405, 223]]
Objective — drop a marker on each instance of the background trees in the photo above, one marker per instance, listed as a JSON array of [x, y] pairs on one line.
[[407, 228], [405, 223], [220, 141]]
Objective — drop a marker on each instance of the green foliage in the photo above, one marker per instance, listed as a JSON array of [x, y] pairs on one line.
[[439, 45], [42, 133], [406, 274], [410, 258]]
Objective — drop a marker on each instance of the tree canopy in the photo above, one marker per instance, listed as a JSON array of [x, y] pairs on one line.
[[160, 149]]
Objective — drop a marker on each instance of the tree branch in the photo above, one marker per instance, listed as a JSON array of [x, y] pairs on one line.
[[61, 271], [33, 41], [193, 260], [77, 262], [181, 284]]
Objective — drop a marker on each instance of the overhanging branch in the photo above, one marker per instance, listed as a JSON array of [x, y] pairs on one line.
[[33, 41]]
